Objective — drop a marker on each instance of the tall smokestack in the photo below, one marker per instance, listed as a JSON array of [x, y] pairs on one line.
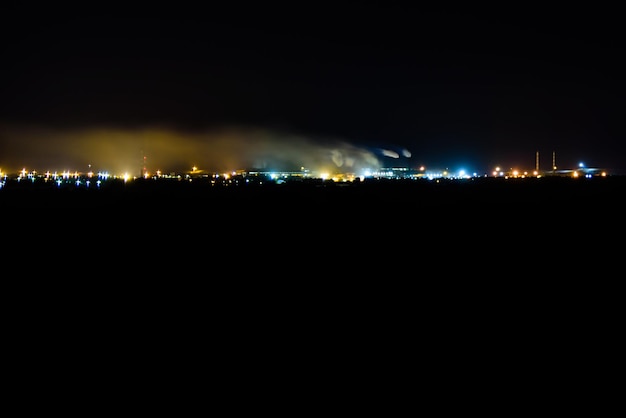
[[537, 161]]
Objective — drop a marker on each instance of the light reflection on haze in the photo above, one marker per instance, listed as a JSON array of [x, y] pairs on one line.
[[123, 150]]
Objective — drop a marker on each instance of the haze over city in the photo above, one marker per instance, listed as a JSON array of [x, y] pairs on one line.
[[165, 150]]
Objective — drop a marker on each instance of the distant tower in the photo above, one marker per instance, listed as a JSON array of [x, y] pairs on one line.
[[537, 161], [553, 160], [144, 170]]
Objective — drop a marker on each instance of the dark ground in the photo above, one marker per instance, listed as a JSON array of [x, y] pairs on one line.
[[548, 212], [496, 195], [451, 282]]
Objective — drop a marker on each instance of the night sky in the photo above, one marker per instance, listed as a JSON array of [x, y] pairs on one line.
[[311, 83]]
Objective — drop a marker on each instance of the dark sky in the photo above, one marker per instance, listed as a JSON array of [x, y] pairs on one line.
[[478, 87]]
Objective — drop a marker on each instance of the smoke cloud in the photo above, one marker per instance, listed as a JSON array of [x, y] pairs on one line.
[[220, 150]]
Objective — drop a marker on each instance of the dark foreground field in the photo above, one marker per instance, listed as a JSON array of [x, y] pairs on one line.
[[443, 267], [370, 196], [545, 210]]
